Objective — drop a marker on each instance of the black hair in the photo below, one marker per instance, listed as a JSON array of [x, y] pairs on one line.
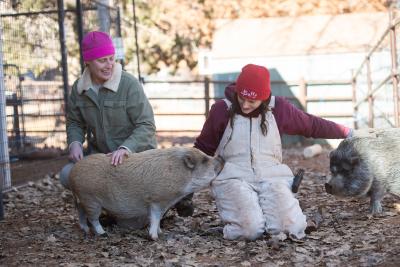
[[262, 109]]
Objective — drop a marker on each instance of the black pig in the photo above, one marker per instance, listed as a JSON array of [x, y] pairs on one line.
[[367, 165]]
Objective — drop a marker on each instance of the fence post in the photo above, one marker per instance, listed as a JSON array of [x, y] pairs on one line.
[[61, 13], [119, 31], [395, 77], [103, 15], [207, 95], [136, 41], [16, 127], [370, 97], [303, 94], [5, 177], [354, 100], [79, 14]]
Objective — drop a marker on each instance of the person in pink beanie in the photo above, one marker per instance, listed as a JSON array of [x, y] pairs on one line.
[[110, 103], [253, 192]]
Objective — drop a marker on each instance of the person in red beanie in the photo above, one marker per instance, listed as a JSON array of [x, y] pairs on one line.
[[253, 192]]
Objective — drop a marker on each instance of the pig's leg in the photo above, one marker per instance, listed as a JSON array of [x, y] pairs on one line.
[[377, 193], [93, 212], [156, 213], [82, 219]]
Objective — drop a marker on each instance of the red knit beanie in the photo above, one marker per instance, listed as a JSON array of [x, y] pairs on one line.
[[96, 45], [254, 83]]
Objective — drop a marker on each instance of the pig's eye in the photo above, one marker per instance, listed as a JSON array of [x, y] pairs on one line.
[[346, 166], [205, 160]]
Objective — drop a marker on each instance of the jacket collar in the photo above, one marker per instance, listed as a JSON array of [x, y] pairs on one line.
[[85, 82]]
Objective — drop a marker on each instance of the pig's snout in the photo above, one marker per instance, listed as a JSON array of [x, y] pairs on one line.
[[328, 188], [220, 164]]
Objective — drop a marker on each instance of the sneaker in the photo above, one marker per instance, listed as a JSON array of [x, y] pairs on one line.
[[185, 207]]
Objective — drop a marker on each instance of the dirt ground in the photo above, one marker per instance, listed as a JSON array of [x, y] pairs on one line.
[[41, 229]]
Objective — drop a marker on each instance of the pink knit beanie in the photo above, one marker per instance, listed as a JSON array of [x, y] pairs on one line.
[[96, 45]]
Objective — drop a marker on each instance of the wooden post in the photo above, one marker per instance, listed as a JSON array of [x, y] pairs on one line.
[[303, 94], [16, 127], [79, 22], [395, 77], [207, 95], [370, 97], [5, 176], [63, 50], [354, 100]]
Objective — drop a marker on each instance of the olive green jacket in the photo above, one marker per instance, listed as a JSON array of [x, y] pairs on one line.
[[120, 115]]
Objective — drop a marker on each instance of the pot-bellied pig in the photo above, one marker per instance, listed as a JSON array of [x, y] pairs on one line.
[[367, 164], [143, 188]]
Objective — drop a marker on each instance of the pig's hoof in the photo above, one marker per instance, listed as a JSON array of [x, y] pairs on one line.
[[376, 208], [154, 237]]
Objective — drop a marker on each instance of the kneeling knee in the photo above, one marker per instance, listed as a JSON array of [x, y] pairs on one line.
[[252, 233], [247, 232], [252, 230]]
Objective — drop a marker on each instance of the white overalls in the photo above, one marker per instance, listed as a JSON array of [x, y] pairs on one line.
[[253, 191]]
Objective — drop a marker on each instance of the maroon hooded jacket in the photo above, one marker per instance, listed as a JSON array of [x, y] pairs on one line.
[[289, 118]]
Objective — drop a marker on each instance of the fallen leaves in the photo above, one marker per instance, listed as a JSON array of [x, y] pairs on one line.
[[41, 228]]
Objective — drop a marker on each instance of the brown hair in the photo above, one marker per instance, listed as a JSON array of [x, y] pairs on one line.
[[262, 109]]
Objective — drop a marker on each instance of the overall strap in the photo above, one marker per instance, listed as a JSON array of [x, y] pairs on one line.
[[227, 134], [272, 102]]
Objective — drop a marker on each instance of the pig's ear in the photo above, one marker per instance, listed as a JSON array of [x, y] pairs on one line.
[[189, 161]]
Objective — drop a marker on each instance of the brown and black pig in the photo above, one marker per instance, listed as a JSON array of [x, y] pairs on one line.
[[141, 189], [367, 164]]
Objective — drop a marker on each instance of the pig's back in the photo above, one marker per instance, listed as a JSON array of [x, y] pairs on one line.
[[147, 175], [381, 155]]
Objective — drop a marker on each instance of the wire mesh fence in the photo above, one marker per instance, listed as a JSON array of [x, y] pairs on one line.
[[32, 77], [5, 178], [35, 100]]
